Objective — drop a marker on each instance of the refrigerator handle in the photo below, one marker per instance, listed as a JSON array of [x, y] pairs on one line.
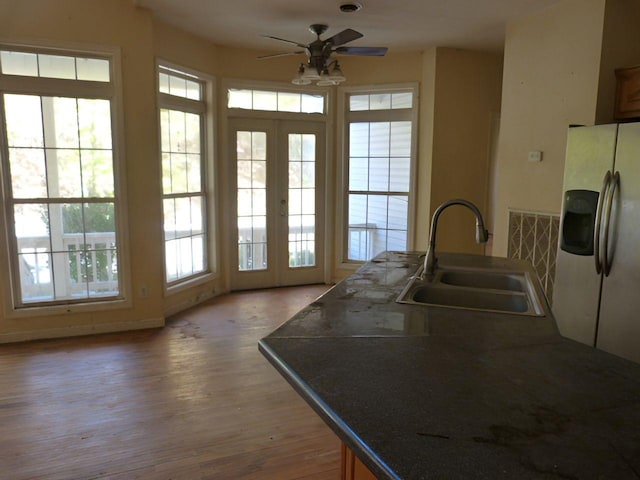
[[598, 222], [615, 184]]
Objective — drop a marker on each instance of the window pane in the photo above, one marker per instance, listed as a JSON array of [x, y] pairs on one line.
[[100, 218], [197, 213], [194, 181], [64, 166], [57, 66], [192, 133], [63, 133], [251, 200], [288, 102], [93, 69], [399, 173], [380, 101], [28, 173], [23, 115], [402, 100], [240, 99], [265, 100], [400, 143], [358, 173], [379, 175], [359, 139], [379, 139], [398, 210], [194, 90], [97, 173], [301, 200], [377, 211], [177, 86], [19, 63], [179, 173], [312, 104], [177, 133], [358, 103], [94, 118], [163, 82]]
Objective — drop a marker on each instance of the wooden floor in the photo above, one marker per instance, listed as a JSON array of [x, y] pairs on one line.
[[195, 400]]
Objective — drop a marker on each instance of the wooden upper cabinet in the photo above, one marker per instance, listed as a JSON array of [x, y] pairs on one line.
[[627, 93]]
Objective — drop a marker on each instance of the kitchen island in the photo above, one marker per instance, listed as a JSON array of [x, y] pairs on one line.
[[421, 392]]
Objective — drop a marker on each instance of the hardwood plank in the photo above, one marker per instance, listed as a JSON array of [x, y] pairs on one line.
[[194, 400]]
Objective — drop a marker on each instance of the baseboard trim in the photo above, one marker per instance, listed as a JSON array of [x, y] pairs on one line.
[[80, 330]]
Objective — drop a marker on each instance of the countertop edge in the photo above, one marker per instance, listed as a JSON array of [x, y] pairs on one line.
[[339, 427]]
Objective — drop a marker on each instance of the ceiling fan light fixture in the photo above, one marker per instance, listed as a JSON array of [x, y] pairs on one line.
[[325, 79], [311, 74], [336, 74], [299, 78]]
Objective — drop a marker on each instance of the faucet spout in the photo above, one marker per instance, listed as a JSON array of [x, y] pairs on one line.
[[482, 235]]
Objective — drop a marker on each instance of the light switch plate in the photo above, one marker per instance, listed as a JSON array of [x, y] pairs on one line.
[[535, 156]]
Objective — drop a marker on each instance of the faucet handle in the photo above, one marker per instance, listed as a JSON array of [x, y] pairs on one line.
[[482, 234]]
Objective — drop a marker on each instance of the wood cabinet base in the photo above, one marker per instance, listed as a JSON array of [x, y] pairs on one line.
[[353, 468]]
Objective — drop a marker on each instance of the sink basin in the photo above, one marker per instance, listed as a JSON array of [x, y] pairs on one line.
[[483, 279], [467, 298], [474, 289]]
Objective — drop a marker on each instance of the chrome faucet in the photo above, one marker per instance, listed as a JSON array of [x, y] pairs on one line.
[[482, 235]]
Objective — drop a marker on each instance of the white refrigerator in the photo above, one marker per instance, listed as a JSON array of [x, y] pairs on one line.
[[596, 297]]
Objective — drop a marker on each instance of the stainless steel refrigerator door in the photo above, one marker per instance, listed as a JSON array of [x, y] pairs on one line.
[[619, 324], [590, 153]]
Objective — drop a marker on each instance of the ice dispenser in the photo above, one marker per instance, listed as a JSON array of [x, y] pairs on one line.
[[578, 220]]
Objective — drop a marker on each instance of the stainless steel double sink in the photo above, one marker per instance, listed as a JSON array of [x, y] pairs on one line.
[[473, 288]]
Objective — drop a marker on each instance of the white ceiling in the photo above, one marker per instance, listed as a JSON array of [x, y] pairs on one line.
[[401, 25]]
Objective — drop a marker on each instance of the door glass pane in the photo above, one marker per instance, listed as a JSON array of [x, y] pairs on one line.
[[301, 196], [251, 168]]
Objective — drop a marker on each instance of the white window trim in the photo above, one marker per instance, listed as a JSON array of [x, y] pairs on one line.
[[342, 126], [46, 86], [210, 180]]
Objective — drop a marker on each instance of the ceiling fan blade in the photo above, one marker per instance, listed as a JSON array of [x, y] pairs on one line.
[[285, 40], [281, 54], [370, 51], [343, 37]]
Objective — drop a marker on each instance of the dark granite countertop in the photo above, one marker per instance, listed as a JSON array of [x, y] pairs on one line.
[[423, 392]]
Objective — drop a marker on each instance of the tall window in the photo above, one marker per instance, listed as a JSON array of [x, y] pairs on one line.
[[380, 151], [182, 129], [56, 111]]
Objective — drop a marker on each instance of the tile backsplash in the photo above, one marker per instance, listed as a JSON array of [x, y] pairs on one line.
[[533, 236]]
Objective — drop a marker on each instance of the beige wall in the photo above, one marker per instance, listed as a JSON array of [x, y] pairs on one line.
[[467, 93], [551, 74], [424, 173]]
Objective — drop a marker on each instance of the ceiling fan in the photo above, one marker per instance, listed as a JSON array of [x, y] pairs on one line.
[[319, 54]]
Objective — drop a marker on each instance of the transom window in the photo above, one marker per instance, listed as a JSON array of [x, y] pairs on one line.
[[380, 153], [275, 101], [61, 188]]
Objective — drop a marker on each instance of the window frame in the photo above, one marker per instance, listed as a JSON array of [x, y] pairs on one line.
[[345, 117], [45, 86], [207, 107]]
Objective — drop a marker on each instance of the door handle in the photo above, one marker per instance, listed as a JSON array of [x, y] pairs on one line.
[[606, 183], [283, 208], [615, 184]]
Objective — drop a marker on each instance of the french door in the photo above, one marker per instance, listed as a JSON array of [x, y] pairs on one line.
[[277, 171]]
